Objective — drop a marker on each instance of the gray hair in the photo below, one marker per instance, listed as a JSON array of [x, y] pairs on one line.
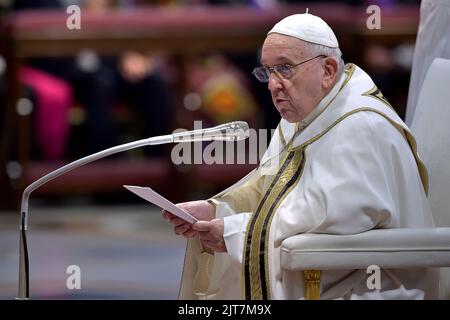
[[318, 49]]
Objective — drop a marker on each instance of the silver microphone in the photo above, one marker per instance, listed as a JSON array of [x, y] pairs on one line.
[[232, 131]]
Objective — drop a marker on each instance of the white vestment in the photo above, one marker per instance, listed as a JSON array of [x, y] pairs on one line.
[[352, 169]]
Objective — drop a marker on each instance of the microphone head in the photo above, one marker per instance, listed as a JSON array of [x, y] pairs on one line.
[[232, 131]]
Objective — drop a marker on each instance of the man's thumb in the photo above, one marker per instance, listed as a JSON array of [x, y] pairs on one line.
[[202, 226]]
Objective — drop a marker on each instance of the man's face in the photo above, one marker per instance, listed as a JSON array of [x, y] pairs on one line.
[[296, 97]]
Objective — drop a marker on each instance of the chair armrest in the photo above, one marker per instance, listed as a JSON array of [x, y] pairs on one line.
[[386, 248]]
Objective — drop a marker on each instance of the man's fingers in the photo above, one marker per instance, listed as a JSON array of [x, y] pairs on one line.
[[173, 218], [167, 215], [201, 210], [186, 231], [182, 229], [177, 222], [190, 233]]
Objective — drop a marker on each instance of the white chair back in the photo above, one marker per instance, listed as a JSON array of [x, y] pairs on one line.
[[431, 128]]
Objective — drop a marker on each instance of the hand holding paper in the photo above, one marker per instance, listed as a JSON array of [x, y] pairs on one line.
[[155, 198]]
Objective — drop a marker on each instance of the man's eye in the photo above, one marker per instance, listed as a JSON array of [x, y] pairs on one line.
[[285, 68]]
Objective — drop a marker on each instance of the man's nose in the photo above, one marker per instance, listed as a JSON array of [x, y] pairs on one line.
[[274, 82]]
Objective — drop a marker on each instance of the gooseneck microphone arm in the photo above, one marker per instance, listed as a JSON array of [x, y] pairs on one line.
[[24, 292], [233, 131]]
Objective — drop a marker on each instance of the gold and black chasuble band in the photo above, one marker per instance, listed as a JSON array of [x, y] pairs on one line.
[[256, 285]]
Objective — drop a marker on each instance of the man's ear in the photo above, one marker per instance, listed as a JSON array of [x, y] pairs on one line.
[[330, 71]]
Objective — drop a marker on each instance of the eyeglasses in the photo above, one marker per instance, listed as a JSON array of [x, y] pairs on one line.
[[284, 70]]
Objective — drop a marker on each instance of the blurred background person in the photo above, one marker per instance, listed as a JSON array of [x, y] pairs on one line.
[[98, 83]]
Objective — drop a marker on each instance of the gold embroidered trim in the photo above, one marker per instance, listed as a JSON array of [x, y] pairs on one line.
[[248, 238], [301, 165], [376, 94], [349, 70], [408, 137], [256, 283], [312, 284], [283, 140]]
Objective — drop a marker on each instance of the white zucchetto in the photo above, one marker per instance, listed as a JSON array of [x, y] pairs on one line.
[[307, 27]]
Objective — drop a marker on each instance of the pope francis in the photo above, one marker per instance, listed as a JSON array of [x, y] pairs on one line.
[[340, 162]]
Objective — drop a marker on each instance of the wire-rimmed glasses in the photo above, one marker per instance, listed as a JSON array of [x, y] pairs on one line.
[[284, 70]]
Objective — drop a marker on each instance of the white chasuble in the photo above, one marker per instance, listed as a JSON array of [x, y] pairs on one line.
[[349, 167]]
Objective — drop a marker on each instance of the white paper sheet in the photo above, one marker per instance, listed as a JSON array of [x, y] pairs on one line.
[[155, 198]]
